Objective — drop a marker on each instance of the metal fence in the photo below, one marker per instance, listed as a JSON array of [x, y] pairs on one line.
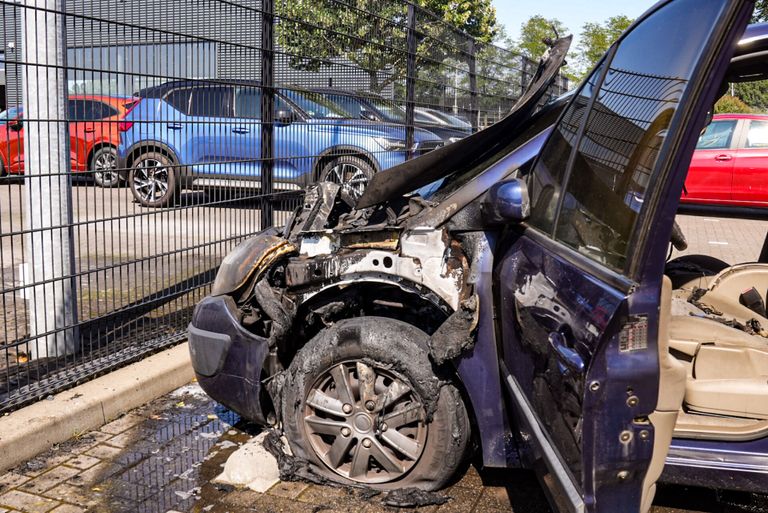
[[143, 139]]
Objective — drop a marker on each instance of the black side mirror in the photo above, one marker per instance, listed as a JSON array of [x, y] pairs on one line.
[[285, 116], [506, 202], [15, 124]]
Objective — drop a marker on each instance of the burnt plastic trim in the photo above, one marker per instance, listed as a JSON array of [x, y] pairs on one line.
[[208, 350]]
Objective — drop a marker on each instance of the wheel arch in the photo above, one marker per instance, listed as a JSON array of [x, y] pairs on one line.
[[340, 151], [96, 147], [149, 146]]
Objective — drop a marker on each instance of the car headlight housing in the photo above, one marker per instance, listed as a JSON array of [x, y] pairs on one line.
[[390, 144]]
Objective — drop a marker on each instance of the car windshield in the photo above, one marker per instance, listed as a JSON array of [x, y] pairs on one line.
[[315, 105], [390, 112], [12, 113]]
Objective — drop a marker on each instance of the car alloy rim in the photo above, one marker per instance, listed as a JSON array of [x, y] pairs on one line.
[[104, 167], [365, 423], [351, 178], [150, 180]]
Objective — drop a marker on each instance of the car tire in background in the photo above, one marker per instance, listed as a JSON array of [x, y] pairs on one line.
[[363, 404], [153, 180], [351, 172], [104, 167]]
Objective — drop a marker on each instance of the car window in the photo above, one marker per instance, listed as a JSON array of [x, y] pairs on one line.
[[315, 105], [718, 135], [12, 113], [757, 136], [89, 110], [351, 105], [211, 102], [179, 99], [546, 180], [248, 102], [392, 113], [611, 166], [102, 111]]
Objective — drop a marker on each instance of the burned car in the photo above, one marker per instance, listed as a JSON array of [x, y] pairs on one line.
[[521, 301]]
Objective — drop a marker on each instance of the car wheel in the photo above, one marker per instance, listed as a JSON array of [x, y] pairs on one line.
[[153, 180], [363, 404], [104, 167], [352, 173]]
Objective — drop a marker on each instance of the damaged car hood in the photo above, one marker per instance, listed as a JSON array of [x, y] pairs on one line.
[[440, 163]]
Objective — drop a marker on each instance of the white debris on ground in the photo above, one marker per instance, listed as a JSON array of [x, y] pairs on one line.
[[192, 389], [251, 466]]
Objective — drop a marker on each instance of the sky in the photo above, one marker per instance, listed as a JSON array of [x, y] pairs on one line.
[[573, 13]]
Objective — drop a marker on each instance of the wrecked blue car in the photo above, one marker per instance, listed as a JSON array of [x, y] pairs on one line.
[[522, 302]]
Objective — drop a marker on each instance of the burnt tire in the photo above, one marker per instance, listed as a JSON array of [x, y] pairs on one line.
[[153, 180], [333, 421], [351, 172]]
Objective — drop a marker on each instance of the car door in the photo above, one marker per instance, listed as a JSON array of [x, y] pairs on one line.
[[579, 284], [212, 133], [82, 131], [246, 133], [710, 176], [12, 139], [750, 172]]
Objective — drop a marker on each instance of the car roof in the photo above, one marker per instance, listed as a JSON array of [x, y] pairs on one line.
[[161, 90], [740, 116]]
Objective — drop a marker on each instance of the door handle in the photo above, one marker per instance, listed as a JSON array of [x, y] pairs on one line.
[[174, 126], [240, 130], [723, 158], [89, 130], [567, 356]]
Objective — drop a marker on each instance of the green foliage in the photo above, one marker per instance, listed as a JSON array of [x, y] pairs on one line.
[[731, 105], [534, 33], [596, 38], [760, 13], [372, 34], [754, 94]]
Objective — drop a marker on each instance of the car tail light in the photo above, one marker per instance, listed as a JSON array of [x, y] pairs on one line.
[[124, 126]]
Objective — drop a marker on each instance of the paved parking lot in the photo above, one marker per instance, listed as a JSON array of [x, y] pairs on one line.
[[161, 458]]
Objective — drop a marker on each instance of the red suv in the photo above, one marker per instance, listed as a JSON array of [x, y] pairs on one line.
[[95, 123], [730, 164]]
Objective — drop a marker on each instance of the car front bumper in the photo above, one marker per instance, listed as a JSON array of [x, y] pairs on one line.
[[228, 359]]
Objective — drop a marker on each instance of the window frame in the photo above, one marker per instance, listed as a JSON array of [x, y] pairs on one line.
[[229, 100], [735, 140], [744, 143]]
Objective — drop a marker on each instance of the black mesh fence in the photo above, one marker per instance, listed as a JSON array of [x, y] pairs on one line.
[[141, 140]]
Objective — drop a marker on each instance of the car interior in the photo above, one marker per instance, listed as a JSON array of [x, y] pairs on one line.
[[714, 328]]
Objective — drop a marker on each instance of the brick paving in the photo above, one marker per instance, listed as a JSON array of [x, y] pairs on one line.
[[163, 456]]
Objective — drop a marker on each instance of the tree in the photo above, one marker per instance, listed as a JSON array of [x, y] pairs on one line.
[[371, 34], [731, 105], [595, 40], [760, 14], [535, 32], [754, 94]]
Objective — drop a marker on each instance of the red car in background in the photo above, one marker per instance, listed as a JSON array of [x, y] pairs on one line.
[[730, 164], [95, 123]]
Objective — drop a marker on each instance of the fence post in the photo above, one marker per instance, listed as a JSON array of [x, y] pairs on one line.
[[267, 110], [410, 80], [50, 247], [473, 108]]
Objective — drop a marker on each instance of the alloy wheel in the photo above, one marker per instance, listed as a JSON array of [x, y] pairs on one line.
[[150, 180], [365, 423], [104, 167], [351, 178]]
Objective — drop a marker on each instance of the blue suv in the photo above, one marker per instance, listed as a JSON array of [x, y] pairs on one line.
[[207, 134]]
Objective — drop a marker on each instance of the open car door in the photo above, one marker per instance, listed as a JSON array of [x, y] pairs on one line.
[[594, 391]]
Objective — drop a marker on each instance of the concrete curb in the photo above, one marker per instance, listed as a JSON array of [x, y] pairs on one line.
[[34, 429]]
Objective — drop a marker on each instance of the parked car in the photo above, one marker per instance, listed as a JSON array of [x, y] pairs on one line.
[[207, 134], [377, 108], [730, 164], [522, 299], [95, 124], [438, 117]]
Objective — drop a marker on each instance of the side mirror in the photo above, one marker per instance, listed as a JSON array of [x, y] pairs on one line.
[[16, 124], [367, 114], [285, 117], [506, 202]]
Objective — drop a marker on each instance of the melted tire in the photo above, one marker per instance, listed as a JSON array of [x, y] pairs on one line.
[[403, 349]]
